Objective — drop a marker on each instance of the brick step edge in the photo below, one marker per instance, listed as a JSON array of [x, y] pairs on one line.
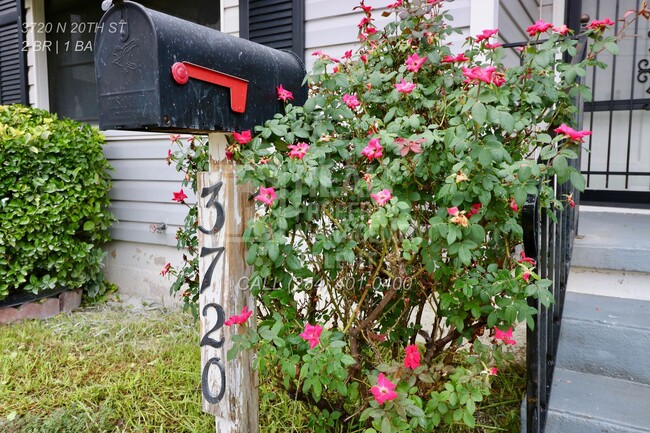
[[65, 302]]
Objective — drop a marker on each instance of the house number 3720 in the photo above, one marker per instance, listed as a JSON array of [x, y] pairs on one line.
[[213, 397]]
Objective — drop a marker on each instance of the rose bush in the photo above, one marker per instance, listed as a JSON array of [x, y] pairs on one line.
[[388, 235]]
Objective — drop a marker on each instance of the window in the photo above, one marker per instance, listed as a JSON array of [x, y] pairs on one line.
[[71, 69]]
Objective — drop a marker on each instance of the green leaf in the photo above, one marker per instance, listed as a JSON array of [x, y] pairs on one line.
[[561, 167], [452, 235], [478, 113], [279, 130], [390, 114], [469, 420], [585, 92], [507, 121], [385, 425], [548, 152], [485, 157], [612, 47], [415, 411], [318, 390], [282, 223], [465, 255], [273, 251], [492, 319], [325, 177], [543, 59], [251, 255], [578, 180], [89, 226], [292, 262], [403, 224]]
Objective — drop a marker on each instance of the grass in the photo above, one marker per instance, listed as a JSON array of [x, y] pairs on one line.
[[103, 370]]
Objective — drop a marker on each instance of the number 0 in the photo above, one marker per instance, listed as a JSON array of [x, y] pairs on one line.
[[205, 386]]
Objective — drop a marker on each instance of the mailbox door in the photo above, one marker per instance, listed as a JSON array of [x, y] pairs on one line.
[[126, 65]]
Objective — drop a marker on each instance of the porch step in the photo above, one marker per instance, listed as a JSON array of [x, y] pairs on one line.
[[606, 336], [608, 282], [613, 239], [602, 376], [588, 403]]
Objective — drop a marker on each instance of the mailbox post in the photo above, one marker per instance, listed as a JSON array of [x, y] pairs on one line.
[[229, 388], [160, 73]]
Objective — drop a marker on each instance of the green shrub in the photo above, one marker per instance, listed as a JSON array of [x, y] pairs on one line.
[[389, 239], [54, 186]]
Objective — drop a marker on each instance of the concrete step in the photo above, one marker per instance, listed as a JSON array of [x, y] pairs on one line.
[[613, 239], [620, 284], [606, 336], [588, 403]]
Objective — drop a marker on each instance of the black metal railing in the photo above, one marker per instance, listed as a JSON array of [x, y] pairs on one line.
[[548, 239]]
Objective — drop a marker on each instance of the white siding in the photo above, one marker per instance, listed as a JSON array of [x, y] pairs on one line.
[[142, 190], [143, 186], [230, 17], [331, 26]]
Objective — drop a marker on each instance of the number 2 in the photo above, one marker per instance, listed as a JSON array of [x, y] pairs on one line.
[[221, 318]]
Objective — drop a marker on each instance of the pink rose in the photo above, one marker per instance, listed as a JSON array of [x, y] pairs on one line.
[[412, 357], [384, 390], [373, 150], [266, 196], [311, 334], [239, 319]]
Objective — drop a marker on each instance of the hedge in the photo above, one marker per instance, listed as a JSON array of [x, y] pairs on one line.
[[54, 185]]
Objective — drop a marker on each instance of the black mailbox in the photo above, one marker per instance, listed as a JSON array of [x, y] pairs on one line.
[[156, 72]]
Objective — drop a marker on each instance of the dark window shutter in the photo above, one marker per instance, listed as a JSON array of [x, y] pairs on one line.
[[13, 77], [278, 24]]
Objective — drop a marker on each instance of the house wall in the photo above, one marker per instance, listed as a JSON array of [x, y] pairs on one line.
[[516, 15], [143, 184], [36, 56], [230, 21], [331, 26], [142, 181]]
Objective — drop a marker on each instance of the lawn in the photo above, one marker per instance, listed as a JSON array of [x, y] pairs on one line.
[[112, 370]]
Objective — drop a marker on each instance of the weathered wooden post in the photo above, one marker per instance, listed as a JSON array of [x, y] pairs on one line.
[[160, 73], [229, 387]]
